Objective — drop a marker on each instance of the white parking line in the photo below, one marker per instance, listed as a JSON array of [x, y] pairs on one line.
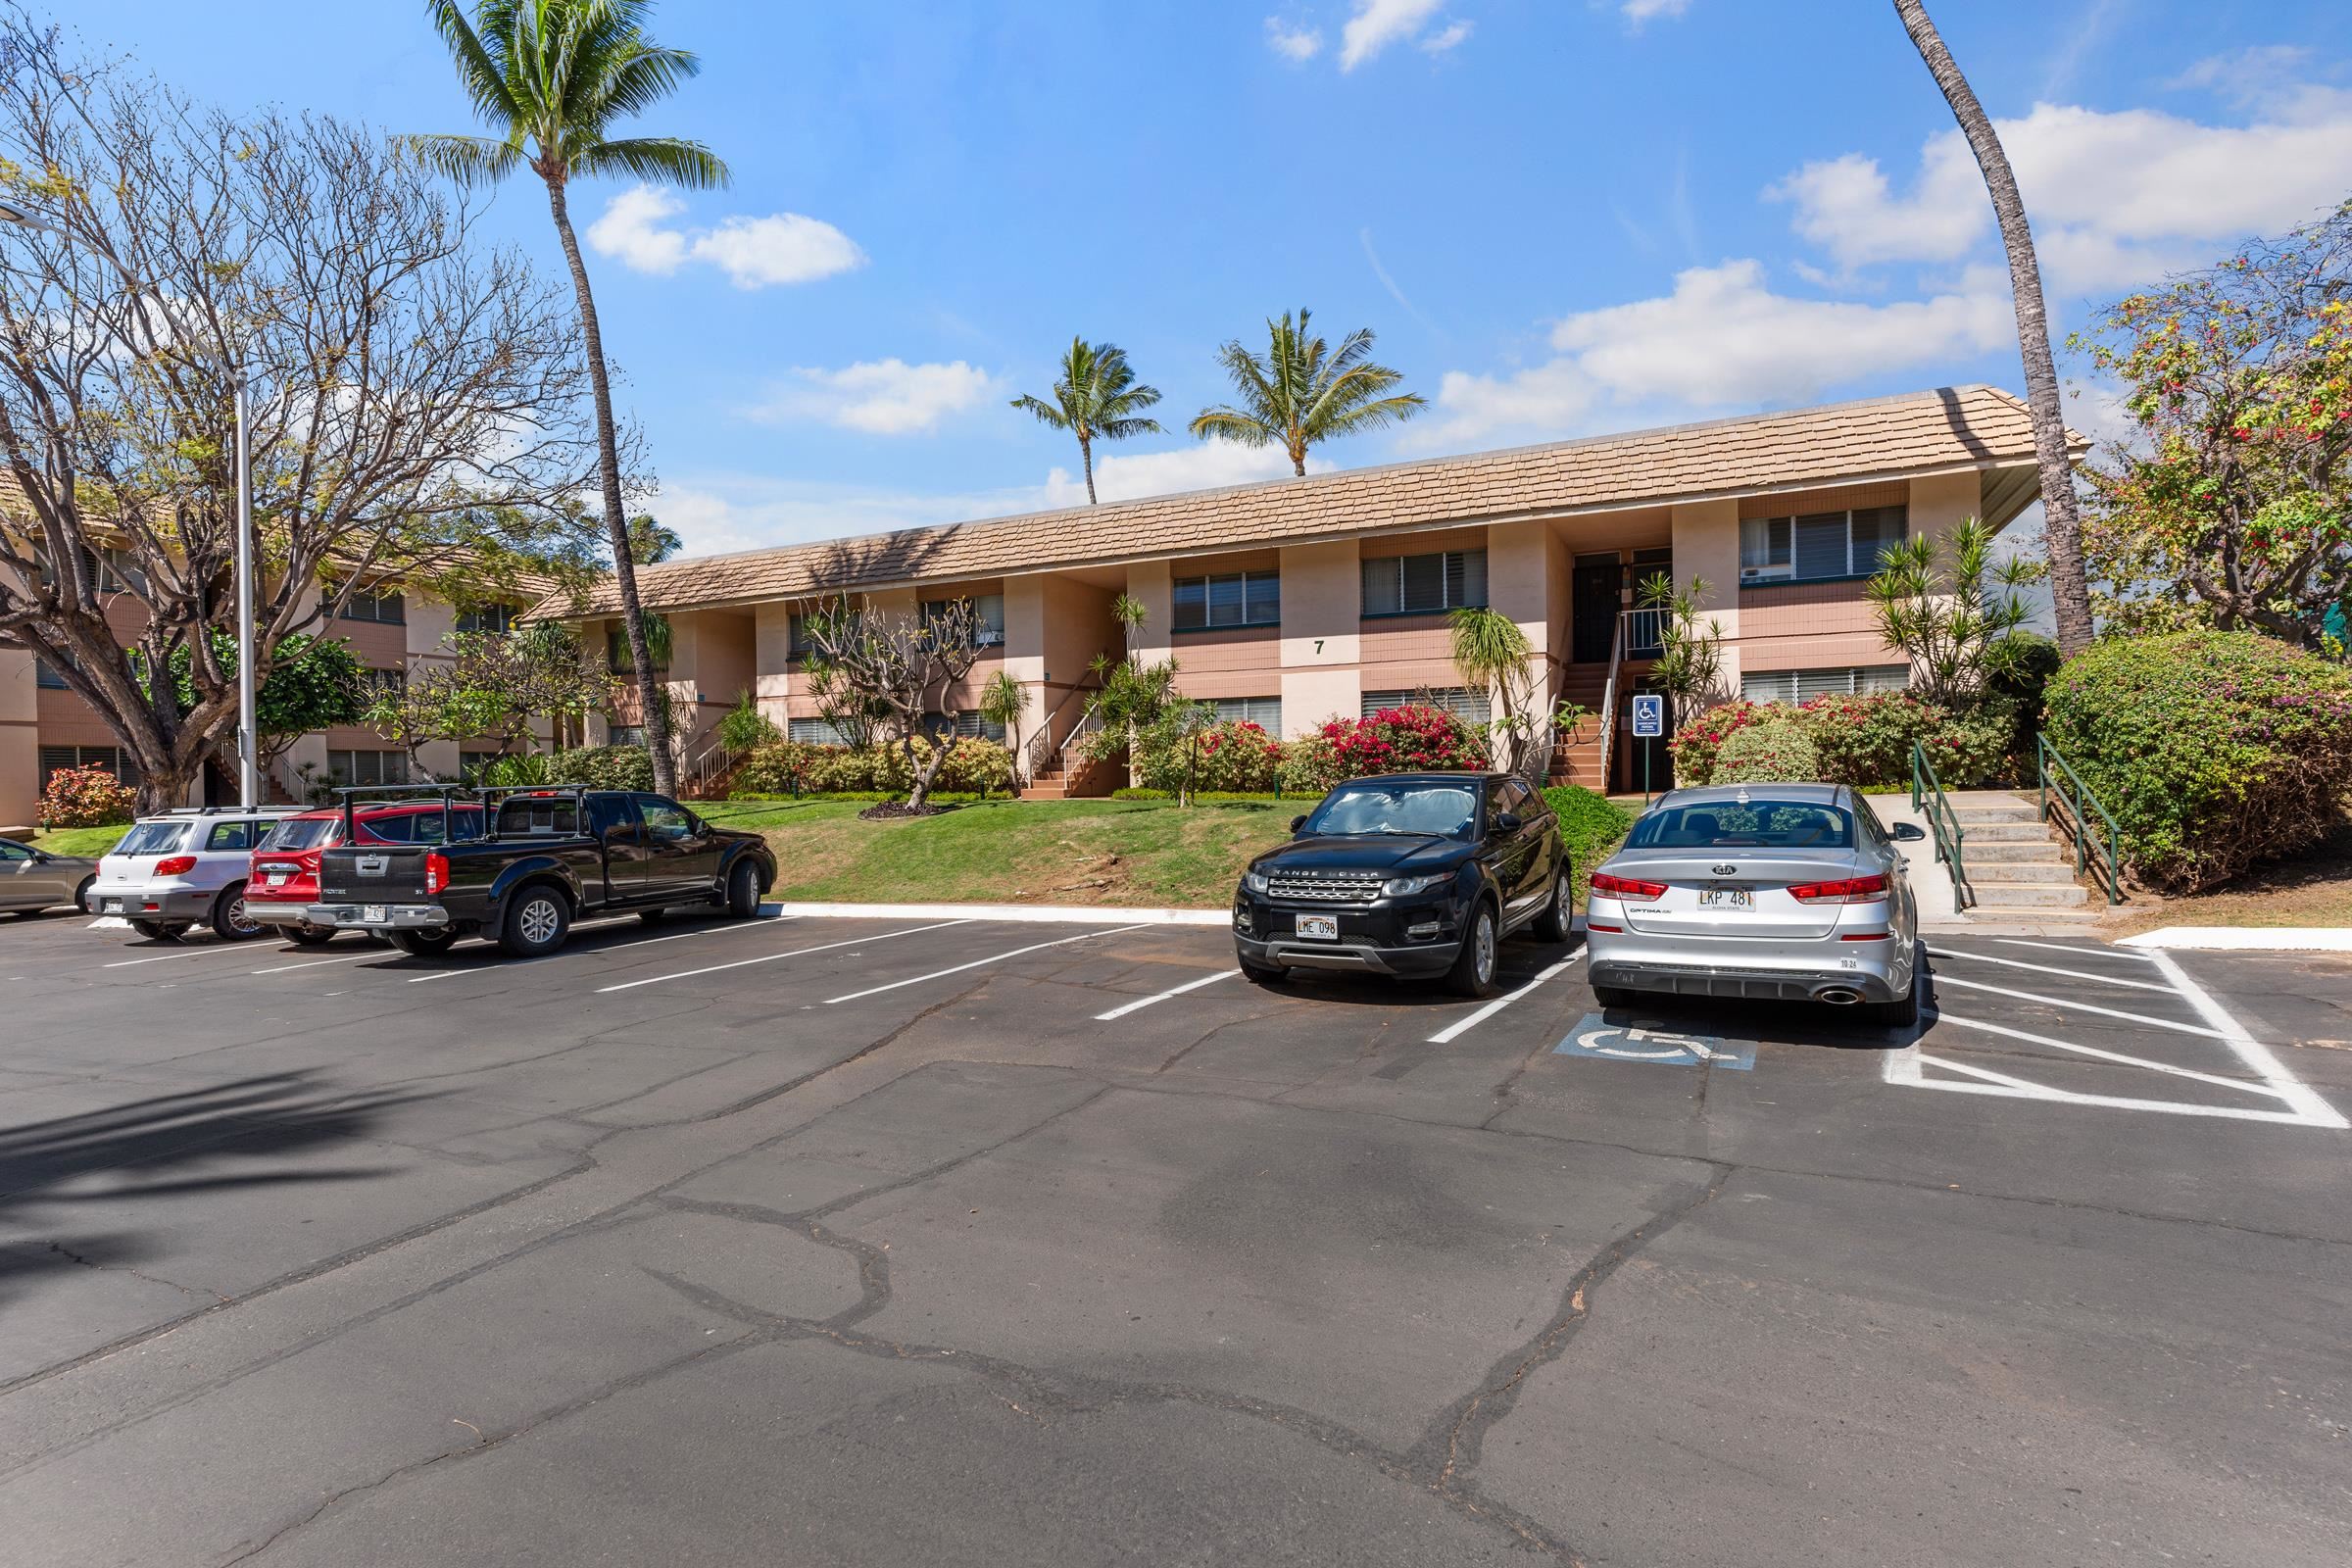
[[2080, 1007], [313, 963], [2253, 1053], [941, 974], [1447, 1034], [2044, 968], [1904, 1067], [2059, 946], [1142, 1003], [771, 957], [2112, 1056], [642, 942]]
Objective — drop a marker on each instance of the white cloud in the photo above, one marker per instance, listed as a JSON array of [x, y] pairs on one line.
[[754, 251], [1125, 476], [1378, 24], [1722, 339], [2255, 75], [630, 230], [879, 397], [1437, 43], [1297, 44], [1638, 11], [2115, 198]]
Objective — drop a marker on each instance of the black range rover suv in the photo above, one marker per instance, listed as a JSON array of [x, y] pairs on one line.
[[1415, 874]]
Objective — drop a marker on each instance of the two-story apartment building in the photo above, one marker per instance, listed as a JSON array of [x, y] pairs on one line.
[[394, 633], [1292, 600]]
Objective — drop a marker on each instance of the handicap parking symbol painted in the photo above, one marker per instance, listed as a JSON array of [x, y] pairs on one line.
[[1595, 1037]]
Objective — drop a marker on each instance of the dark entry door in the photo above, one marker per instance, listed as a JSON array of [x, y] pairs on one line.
[[1594, 602]]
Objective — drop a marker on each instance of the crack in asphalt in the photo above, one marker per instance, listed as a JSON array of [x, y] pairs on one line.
[[1456, 1440], [80, 1261]]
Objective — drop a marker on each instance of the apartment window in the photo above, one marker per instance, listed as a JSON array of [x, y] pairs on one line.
[[494, 620], [361, 768], [1232, 598], [1471, 708], [988, 619], [47, 676], [383, 683], [625, 735], [389, 608], [1422, 585], [55, 757], [799, 644], [968, 725], [470, 765], [811, 732], [107, 571], [1263, 711], [1803, 685], [1820, 544]]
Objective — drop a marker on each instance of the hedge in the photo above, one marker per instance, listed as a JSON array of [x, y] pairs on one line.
[[1590, 824], [973, 766], [1229, 758], [606, 767], [1773, 752], [2215, 751], [1861, 741], [86, 796]]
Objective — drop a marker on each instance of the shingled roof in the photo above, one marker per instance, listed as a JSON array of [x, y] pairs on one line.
[[1886, 439]]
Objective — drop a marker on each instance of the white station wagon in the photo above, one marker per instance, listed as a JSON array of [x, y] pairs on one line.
[[185, 868]]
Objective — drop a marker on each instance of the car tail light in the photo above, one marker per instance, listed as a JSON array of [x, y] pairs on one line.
[[175, 865], [436, 871], [1626, 887], [1853, 890], [1866, 935], [1612, 930]]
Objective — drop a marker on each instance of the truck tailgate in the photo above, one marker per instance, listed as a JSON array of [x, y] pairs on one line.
[[387, 873]]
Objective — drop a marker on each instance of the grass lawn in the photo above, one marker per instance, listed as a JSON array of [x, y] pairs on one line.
[[1148, 853], [80, 840]]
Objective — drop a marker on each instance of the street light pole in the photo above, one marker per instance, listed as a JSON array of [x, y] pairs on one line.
[[249, 748], [249, 739]]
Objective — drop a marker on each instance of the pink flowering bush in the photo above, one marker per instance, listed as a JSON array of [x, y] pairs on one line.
[[1396, 740], [1233, 758], [86, 796]]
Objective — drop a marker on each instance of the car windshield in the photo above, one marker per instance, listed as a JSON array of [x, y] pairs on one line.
[[152, 838], [301, 833], [1731, 824], [1397, 805]]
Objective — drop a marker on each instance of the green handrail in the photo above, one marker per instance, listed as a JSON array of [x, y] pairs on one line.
[[1928, 798], [2044, 756]]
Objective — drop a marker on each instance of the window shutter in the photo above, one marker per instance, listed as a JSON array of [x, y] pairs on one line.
[[1466, 578], [1383, 585], [1225, 600], [1264, 597], [1877, 529], [1424, 583], [1821, 545]]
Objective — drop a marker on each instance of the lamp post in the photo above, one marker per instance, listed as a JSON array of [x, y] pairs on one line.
[[249, 753]]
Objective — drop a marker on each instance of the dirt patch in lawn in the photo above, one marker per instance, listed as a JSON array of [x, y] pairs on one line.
[[2313, 889]]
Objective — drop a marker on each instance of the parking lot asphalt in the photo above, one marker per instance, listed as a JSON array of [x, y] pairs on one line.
[[867, 1241]]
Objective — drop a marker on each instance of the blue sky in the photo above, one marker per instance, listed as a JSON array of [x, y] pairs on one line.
[[1563, 217]]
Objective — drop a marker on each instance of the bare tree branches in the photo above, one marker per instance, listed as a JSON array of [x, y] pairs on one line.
[[905, 667]]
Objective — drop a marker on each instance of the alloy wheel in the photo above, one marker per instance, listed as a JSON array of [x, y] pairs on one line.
[[538, 923]]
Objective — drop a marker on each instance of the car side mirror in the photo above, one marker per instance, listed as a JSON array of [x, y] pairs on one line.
[[1507, 823], [1909, 832], [42, 857], [1297, 823]]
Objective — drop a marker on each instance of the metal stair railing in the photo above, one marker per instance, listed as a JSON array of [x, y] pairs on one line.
[[1608, 703], [1928, 797], [2054, 775]]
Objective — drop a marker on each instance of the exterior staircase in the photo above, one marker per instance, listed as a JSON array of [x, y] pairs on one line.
[[2018, 868], [1056, 781], [1575, 759]]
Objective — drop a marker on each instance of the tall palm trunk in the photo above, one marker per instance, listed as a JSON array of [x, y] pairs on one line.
[[1086, 456], [624, 567], [2062, 518]]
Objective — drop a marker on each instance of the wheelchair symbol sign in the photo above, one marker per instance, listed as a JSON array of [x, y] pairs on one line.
[[1595, 1037], [1649, 715]]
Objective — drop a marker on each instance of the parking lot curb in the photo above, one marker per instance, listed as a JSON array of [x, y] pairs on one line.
[[1035, 913], [2247, 939]]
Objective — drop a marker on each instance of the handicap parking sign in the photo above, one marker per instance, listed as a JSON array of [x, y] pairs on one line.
[[1661, 1047], [1649, 714]]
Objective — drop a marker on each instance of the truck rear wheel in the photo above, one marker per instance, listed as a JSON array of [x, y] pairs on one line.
[[538, 918], [425, 943]]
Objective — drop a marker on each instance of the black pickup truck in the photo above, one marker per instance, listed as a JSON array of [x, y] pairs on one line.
[[547, 857]]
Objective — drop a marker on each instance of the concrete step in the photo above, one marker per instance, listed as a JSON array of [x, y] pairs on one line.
[[2028, 831], [2013, 812], [2005, 852], [2088, 915], [2028, 894], [2051, 871]]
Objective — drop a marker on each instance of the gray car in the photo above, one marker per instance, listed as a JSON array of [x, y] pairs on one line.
[[34, 879], [1785, 891]]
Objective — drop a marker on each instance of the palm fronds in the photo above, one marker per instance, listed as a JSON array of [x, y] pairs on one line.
[[1301, 391]]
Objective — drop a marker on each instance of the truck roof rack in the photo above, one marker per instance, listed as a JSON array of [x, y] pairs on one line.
[[487, 796]]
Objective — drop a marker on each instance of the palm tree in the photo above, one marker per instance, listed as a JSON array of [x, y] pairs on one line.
[[2062, 518], [1002, 701], [1301, 392], [1097, 397], [651, 542], [548, 77]]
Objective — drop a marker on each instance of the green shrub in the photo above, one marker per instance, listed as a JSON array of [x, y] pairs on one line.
[[2215, 751], [1695, 742], [606, 767], [85, 797], [1233, 757], [1394, 740], [973, 766], [1216, 797], [1866, 740], [1589, 823], [1777, 752]]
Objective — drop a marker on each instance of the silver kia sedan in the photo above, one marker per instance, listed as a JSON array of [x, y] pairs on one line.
[[1783, 891]]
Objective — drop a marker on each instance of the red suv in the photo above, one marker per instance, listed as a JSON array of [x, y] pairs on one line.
[[283, 878]]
